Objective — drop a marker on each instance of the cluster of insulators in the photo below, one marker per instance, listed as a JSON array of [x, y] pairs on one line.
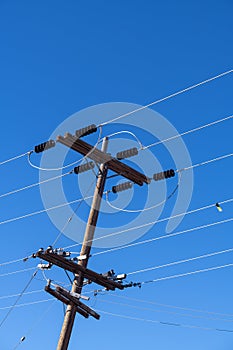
[[84, 167], [86, 131], [127, 153], [122, 187], [44, 146], [164, 175]]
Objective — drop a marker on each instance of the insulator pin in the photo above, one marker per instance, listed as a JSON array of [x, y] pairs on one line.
[[122, 187], [84, 167], [127, 153], [44, 146], [164, 175], [86, 131]]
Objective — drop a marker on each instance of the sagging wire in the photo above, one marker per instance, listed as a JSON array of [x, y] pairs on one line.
[[68, 165], [145, 209]]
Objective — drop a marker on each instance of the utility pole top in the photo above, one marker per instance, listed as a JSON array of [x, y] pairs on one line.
[[102, 157]]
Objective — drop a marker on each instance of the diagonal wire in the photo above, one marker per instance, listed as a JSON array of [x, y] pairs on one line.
[[21, 294], [168, 97]]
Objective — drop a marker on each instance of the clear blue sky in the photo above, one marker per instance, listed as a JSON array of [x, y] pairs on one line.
[[59, 57]]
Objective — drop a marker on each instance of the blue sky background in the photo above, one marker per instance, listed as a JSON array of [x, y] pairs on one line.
[[59, 57]]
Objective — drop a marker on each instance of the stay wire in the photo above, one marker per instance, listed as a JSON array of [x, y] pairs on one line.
[[18, 298], [167, 97], [35, 324]]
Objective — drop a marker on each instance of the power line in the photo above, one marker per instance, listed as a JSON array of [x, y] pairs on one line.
[[206, 162], [165, 311], [21, 294], [167, 97], [81, 199], [171, 306], [13, 158], [28, 304], [16, 295], [208, 255], [18, 271], [163, 237], [11, 262], [188, 132], [43, 210], [139, 271], [34, 185], [157, 221], [165, 323], [188, 273]]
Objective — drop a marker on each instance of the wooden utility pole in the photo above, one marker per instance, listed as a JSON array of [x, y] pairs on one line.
[[85, 251]]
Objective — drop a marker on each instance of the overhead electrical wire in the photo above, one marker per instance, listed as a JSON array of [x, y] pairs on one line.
[[42, 211], [156, 221], [164, 236], [188, 273], [187, 132], [18, 271], [11, 262], [139, 109], [17, 294], [165, 311], [167, 97], [28, 304], [142, 283], [139, 271], [208, 255], [77, 200], [13, 158], [34, 185], [171, 306], [165, 323]]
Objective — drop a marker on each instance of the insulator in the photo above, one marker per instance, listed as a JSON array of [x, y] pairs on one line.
[[84, 167], [44, 146], [22, 339], [164, 175], [86, 131], [122, 187], [127, 153]]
